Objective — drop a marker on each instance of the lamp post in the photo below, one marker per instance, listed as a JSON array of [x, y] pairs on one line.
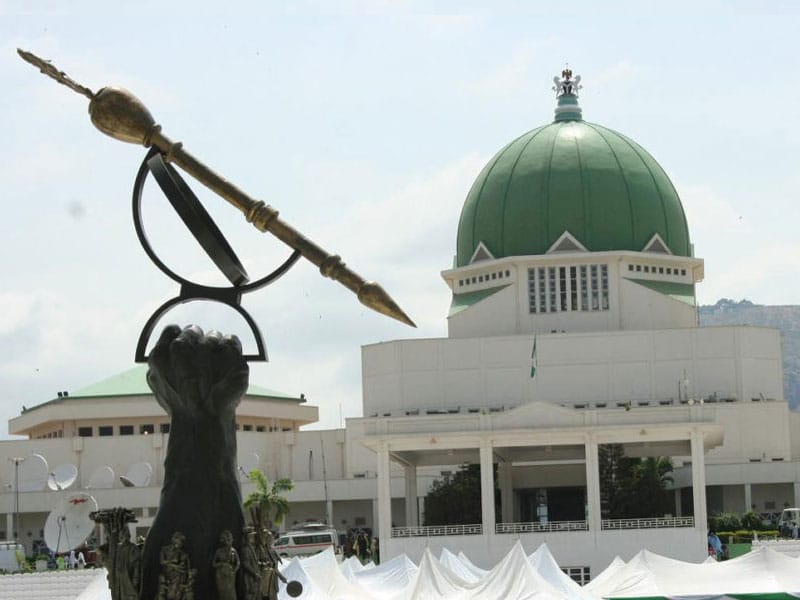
[[15, 525]]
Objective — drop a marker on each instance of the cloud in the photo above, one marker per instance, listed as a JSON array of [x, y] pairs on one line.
[[512, 77]]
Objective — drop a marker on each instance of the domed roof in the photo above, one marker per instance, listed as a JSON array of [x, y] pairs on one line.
[[598, 185]]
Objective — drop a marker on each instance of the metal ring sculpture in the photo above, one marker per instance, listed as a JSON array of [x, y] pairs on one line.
[[213, 242]]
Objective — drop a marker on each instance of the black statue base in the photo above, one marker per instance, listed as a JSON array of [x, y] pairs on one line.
[[199, 380]]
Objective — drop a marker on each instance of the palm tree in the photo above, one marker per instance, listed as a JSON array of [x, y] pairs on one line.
[[266, 504]]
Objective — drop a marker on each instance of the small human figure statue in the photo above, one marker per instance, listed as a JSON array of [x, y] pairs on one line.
[[226, 563], [176, 581], [126, 561], [251, 573], [268, 561]]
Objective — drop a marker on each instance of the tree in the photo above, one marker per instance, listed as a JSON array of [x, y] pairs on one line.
[[633, 487], [266, 504], [455, 499], [649, 493]]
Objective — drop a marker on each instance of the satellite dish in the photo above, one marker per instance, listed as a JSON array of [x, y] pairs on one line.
[[33, 473], [62, 477], [247, 464], [102, 478], [68, 524], [138, 475]]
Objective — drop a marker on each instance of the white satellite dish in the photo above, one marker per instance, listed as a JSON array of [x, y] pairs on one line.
[[138, 475], [62, 477], [247, 464], [68, 524], [102, 478], [33, 473]]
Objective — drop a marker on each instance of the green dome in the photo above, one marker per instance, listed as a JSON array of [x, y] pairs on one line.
[[570, 175]]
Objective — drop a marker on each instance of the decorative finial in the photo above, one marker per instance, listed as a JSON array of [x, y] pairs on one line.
[[566, 88]]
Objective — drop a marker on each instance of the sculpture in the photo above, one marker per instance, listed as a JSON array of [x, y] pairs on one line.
[[198, 379], [251, 573], [268, 561], [122, 557], [226, 564], [176, 581]]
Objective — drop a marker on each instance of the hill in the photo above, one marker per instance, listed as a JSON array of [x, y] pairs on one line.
[[784, 318]]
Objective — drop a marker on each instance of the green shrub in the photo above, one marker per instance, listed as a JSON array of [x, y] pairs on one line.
[[725, 522], [751, 520]]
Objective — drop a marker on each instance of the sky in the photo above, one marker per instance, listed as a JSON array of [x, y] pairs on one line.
[[364, 124]]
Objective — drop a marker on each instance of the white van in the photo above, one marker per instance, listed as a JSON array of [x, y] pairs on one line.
[[310, 539], [789, 522]]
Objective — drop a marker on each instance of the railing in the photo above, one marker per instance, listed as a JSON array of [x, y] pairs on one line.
[[436, 530], [653, 523], [535, 527]]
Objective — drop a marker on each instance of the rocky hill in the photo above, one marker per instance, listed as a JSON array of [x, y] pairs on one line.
[[785, 318]]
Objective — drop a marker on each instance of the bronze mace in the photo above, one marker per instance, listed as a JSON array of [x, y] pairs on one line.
[[121, 115]]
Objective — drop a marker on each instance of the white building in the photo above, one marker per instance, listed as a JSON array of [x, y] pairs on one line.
[[573, 325]]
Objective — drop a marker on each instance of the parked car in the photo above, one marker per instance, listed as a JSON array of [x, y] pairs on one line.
[[309, 539]]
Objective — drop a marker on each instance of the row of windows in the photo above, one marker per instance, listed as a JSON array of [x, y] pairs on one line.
[[658, 270], [566, 289], [486, 277], [107, 430], [146, 429]]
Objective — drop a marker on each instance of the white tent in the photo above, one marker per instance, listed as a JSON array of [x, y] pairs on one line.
[[762, 573]]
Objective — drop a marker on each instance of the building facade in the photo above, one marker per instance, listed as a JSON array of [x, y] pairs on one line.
[[573, 326]]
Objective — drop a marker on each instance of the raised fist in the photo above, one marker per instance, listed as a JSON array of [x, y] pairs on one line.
[[199, 380], [196, 372]]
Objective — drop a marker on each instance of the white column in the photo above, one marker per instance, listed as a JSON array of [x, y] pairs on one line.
[[10, 526], [678, 503], [748, 496], [506, 492], [384, 494], [594, 516], [329, 512], [411, 496], [699, 481], [487, 487], [796, 494]]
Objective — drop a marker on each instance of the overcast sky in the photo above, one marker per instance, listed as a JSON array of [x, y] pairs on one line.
[[365, 124]]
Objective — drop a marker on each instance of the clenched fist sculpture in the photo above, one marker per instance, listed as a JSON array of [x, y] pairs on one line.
[[199, 380]]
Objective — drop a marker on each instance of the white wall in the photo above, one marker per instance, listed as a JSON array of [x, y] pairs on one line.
[[432, 374]]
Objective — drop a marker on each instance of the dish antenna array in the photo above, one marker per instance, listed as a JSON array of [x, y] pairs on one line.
[[102, 478], [138, 475], [68, 524], [62, 477]]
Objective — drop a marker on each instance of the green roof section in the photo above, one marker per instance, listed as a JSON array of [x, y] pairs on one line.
[[683, 292], [571, 175], [462, 302], [133, 382]]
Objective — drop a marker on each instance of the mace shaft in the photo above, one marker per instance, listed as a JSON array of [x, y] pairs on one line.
[[121, 115]]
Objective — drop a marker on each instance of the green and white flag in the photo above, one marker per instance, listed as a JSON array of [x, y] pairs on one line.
[[533, 359]]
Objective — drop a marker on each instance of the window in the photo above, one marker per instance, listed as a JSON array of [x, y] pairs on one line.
[[84, 431], [580, 575], [660, 270], [630, 267], [508, 273], [646, 269], [164, 428], [683, 271], [669, 270], [248, 427], [260, 428], [638, 267], [105, 430], [568, 288], [146, 429], [126, 429]]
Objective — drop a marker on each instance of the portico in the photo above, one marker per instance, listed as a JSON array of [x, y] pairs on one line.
[[531, 444]]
